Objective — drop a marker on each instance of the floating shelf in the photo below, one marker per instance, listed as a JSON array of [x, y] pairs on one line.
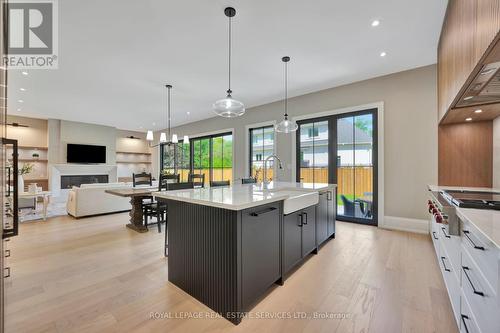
[[134, 162], [132, 152], [33, 147], [32, 160]]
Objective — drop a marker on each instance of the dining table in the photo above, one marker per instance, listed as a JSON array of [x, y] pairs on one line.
[[136, 195]]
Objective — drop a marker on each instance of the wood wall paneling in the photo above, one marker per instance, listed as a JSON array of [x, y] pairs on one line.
[[456, 52], [488, 25], [466, 154]]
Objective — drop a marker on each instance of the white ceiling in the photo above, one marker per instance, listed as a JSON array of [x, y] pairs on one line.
[[116, 56]]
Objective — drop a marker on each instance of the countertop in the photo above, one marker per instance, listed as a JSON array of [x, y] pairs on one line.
[[238, 197], [487, 221]]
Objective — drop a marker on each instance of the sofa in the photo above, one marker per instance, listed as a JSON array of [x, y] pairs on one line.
[[91, 199]]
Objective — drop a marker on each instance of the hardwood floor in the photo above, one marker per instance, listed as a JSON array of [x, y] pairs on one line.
[[95, 275]]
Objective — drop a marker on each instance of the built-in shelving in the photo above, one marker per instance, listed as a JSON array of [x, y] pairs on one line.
[[132, 152], [32, 160], [130, 162], [134, 162]]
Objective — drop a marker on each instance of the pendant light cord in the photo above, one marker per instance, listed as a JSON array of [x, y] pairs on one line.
[[229, 91], [168, 112], [286, 90]]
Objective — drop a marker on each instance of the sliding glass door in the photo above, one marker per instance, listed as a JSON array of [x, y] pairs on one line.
[[213, 157], [209, 155], [341, 149]]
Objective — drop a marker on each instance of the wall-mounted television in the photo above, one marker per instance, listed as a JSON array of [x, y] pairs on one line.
[[88, 154]]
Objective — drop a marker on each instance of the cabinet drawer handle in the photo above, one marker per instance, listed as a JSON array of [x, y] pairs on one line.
[[466, 233], [301, 219], [8, 272], [264, 211], [444, 265], [434, 235], [465, 324], [7, 253], [445, 234], [329, 196], [304, 213], [480, 293]]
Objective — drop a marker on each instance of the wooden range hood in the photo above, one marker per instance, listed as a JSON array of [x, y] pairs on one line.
[[469, 62], [481, 91]]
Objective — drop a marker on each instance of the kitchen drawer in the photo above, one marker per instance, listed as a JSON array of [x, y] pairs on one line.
[[452, 246], [485, 254], [479, 295], [468, 323], [451, 279]]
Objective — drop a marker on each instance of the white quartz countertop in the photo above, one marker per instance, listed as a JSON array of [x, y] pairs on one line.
[[487, 221], [238, 197]]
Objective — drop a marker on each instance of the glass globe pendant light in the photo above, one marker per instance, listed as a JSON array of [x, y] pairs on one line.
[[229, 107], [286, 125]]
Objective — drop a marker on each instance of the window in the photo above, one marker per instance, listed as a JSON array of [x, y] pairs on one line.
[[213, 157], [312, 132], [261, 147], [210, 155], [176, 159]]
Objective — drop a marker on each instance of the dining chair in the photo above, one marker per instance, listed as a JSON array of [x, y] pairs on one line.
[[248, 180], [142, 179], [219, 183], [173, 187], [164, 179], [197, 179]]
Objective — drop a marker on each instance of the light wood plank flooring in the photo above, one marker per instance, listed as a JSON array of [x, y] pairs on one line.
[[95, 275]]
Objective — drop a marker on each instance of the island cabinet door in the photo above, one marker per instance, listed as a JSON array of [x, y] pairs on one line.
[[292, 240], [308, 230], [260, 251], [322, 218]]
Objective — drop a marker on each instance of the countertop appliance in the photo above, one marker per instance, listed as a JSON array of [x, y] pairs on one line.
[[474, 199], [442, 205]]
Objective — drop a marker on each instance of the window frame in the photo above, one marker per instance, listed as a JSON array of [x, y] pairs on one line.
[[250, 145], [210, 154]]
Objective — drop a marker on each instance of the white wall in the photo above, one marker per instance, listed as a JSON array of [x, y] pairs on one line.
[[62, 132], [496, 153], [410, 107]]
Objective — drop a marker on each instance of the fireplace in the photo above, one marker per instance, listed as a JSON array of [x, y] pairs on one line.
[[68, 181]]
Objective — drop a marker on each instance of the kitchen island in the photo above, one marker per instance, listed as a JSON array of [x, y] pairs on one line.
[[228, 245]]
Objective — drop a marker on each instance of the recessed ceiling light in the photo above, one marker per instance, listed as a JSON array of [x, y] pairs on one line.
[[22, 89], [468, 119], [383, 54], [188, 113], [478, 111], [468, 97], [18, 109], [375, 23], [20, 101], [24, 73]]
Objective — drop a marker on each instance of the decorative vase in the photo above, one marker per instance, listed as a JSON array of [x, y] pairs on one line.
[[20, 183]]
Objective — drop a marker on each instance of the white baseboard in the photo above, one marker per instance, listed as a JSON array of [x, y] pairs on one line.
[[405, 224]]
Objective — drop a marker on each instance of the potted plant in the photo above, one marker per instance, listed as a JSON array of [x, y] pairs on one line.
[[24, 170]]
